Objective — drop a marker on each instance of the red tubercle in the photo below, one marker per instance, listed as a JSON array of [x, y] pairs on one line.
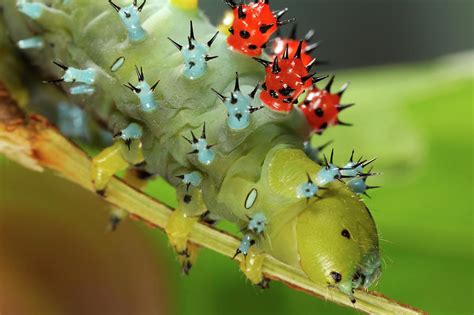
[[285, 80], [282, 88], [252, 27], [279, 46], [321, 107]]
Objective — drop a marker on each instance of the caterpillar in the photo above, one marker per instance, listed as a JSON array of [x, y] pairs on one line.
[[224, 114]]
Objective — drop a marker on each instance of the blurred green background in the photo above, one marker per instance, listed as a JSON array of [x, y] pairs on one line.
[[55, 257]]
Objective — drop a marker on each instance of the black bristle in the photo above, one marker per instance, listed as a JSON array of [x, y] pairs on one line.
[[222, 97], [275, 68], [191, 30], [286, 53], [209, 43], [298, 50], [60, 65], [263, 62], [329, 85], [343, 89], [284, 22], [241, 13], [237, 85], [342, 107], [252, 94], [140, 8], [176, 44], [116, 7], [294, 31]]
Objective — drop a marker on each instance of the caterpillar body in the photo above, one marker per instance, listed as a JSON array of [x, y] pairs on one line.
[[192, 112]]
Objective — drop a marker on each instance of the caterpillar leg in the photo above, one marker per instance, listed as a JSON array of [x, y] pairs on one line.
[[114, 159], [178, 229], [252, 267]]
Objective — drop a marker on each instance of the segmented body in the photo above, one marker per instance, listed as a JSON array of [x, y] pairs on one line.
[[238, 172]]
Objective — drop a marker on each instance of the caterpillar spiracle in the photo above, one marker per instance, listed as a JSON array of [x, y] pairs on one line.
[[224, 114]]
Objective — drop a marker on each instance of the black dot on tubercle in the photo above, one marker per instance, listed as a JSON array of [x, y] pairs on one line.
[[187, 198], [244, 34], [319, 112]]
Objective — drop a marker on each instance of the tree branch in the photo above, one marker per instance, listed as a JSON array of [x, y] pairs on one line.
[[35, 144]]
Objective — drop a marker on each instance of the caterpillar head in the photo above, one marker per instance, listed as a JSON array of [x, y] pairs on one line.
[[333, 237], [337, 241]]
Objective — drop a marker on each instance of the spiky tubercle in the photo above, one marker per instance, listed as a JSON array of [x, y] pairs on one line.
[[279, 44], [253, 26], [321, 107], [286, 79]]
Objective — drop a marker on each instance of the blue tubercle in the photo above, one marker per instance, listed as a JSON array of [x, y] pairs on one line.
[[86, 76], [327, 174], [130, 16], [357, 185], [195, 55], [239, 106], [202, 148], [29, 43], [351, 169], [257, 223], [144, 92], [191, 179], [82, 89], [33, 10], [73, 75], [132, 132], [238, 110], [72, 121], [307, 190], [205, 154], [247, 242]]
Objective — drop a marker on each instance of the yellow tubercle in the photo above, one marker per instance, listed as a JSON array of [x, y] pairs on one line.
[[178, 229], [185, 4], [114, 159], [252, 265]]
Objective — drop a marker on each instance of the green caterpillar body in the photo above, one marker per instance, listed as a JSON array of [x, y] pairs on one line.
[[255, 170]]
